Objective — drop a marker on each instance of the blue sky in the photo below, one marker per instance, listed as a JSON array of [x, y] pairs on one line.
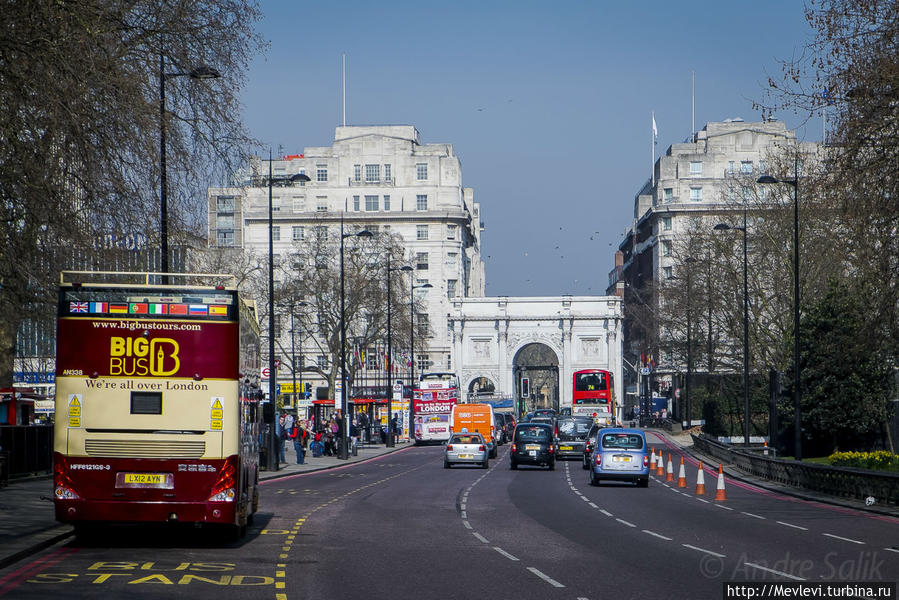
[[547, 104]]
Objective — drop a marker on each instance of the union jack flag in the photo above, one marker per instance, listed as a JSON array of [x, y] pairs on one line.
[[78, 307]]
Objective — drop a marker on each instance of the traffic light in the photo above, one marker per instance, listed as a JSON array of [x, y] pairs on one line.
[[525, 387]]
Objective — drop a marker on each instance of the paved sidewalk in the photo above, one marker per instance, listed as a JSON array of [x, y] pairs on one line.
[[685, 442], [28, 524]]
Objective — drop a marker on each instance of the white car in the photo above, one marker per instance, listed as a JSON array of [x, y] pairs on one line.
[[465, 448]]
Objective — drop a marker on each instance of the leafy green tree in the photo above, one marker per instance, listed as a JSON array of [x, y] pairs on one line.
[[845, 371]]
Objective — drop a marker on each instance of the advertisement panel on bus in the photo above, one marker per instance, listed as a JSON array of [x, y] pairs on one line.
[[156, 420]]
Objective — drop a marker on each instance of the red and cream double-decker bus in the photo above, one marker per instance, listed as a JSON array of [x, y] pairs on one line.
[[593, 395], [157, 414]]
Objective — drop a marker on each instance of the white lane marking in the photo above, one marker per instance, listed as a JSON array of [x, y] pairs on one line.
[[776, 572], [658, 535], [704, 550], [785, 524], [464, 514], [466, 523], [686, 494], [574, 489], [752, 515], [703, 500], [504, 553], [480, 537], [845, 539], [724, 507], [462, 506], [605, 512], [892, 549], [585, 498], [593, 505], [623, 522], [545, 578]]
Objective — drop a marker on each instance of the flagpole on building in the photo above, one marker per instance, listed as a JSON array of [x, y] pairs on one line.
[[652, 145]]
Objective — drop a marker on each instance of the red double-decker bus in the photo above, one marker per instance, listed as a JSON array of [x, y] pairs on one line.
[[157, 414], [433, 400], [593, 395]]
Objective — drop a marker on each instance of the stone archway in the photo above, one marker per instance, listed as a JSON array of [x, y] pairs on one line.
[[538, 363], [481, 386]]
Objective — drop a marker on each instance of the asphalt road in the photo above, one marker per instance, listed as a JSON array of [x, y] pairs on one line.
[[403, 527]]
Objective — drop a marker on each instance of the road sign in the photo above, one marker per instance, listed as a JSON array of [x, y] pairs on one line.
[[645, 371], [265, 372]]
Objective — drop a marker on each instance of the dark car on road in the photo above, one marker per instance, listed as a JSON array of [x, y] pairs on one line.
[[533, 444], [572, 436]]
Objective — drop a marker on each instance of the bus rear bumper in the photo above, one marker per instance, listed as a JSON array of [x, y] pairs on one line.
[[111, 511]]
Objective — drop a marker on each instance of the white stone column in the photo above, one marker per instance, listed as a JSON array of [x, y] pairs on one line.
[[565, 369], [502, 338]]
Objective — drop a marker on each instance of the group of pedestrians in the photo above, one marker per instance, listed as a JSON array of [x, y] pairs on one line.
[[322, 438]]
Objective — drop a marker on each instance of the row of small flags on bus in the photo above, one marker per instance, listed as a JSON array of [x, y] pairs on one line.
[[147, 308]]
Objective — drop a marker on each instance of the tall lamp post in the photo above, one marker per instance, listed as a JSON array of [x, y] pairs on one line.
[[746, 414], [797, 390], [390, 433], [201, 72], [293, 352], [273, 450], [412, 289], [690, 262], [343, 449]]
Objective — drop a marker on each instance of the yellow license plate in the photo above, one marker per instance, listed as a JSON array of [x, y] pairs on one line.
[[566, 447], [532, 447], [622, 459], [145, 480], [466, 456]]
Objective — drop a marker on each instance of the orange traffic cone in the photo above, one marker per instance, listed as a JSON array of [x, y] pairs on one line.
[[669, 473], [700, 481], [652, 461], [681, 476], [719, 493], [660, 465]]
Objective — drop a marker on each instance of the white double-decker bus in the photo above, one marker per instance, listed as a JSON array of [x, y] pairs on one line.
[[434, 398]]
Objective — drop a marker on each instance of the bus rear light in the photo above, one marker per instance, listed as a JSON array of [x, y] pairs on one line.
[[64, 487], [64, 493], [225, 486]]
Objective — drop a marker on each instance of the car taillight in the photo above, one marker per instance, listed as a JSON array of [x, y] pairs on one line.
[[551, 448], [449, 447], [598, 459], [514, 447], [225, 488], [482, 448], [645, 461]]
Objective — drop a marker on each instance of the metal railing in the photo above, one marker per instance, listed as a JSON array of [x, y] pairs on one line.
[[28, 449], [845, 482]]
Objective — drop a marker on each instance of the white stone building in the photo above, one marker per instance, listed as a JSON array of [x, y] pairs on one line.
[[381, 178]]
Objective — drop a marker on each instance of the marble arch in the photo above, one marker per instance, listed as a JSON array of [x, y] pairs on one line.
[[487, 333]]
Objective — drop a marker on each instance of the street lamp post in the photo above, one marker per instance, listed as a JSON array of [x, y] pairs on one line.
[[746, 413], [293, 353], [343, 449], [690, 262], [201, 72], [797, 390], [412, 289], [390, 432]]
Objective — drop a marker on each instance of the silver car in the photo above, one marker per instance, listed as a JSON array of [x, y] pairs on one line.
[[465, 448]]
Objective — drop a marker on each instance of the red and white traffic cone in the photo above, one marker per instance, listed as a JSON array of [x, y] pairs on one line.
[[719, 493], [669, 472], [681, 476], [660, 465], [700, 481]]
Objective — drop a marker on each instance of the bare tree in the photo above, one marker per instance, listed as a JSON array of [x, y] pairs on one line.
[[80, 126]]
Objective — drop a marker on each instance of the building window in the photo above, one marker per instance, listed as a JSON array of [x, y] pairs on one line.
[[298, 233], [666, 248], [372, 172], [421, 232], [451, 232], [276, 204], [730, 167], [666, 223], [224, 203], [695, 167], [321, 172], [224, 222], [374, 229], [322, 361], [696, 194], [746, 167], [321, 204], [452, 259], [669, 194], [225, 238], [387, 174], [667, 272], [421, 202], [763, 166], [449, 362], [371, 202], [276, 234], [321, 232], [422, 359], [386, 199], [357, 172], [355, 202], [421, 261], [421, 171], [299, 203], [420, 282], [450, 288]]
